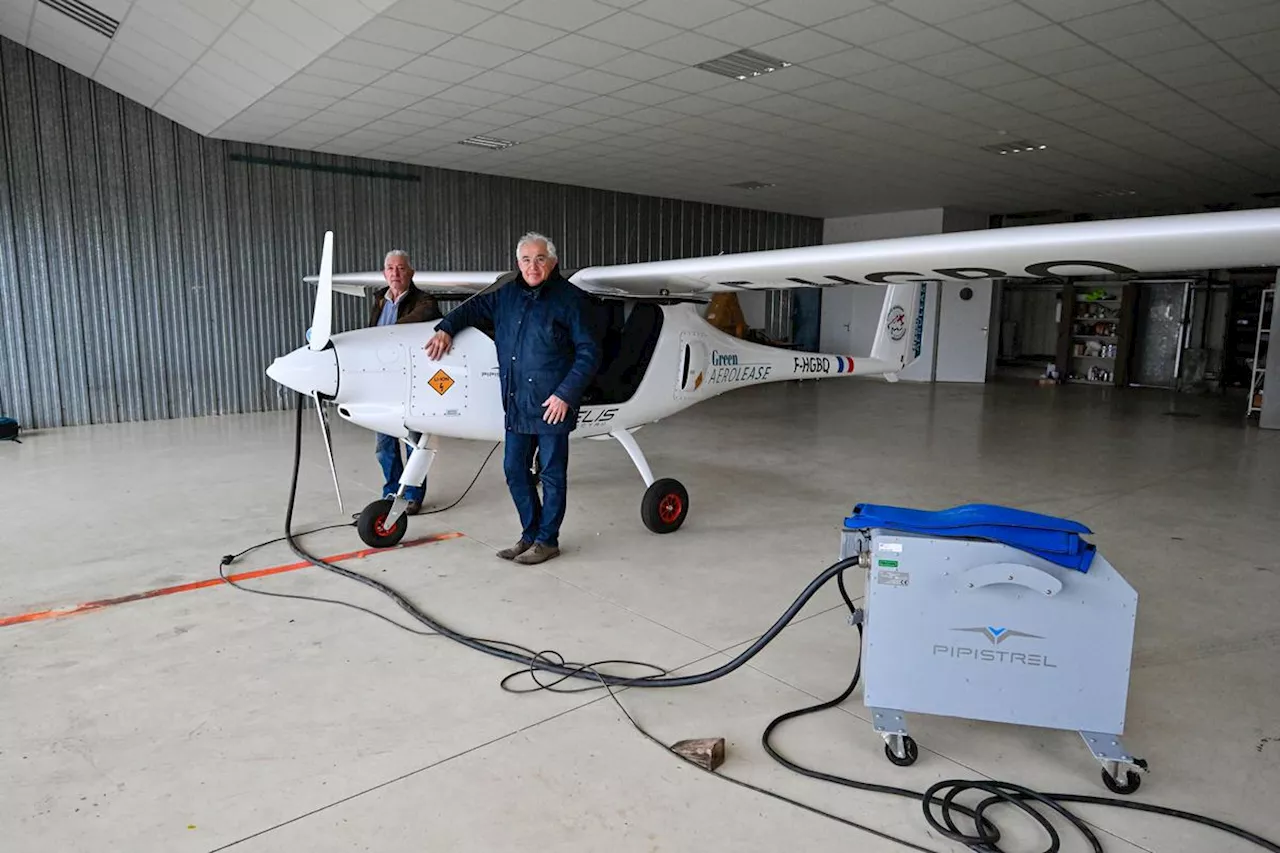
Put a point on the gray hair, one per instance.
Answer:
(535, 237)
(396, 253)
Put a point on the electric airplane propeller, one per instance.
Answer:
(660, 356)
(321, 330)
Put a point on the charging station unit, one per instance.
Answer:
(989, 613)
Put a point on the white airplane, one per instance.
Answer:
(661, 356)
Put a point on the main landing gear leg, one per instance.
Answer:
(383, 522)
(666, 502)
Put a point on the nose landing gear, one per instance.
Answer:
(383, 523)
(373, 528)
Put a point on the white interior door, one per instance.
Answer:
(835, 329)
(963, 331)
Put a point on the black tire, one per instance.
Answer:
(370, 526)
(665, 506)
(909, 747)
(1132, 781)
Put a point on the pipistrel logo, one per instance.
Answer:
(998, 635)
(995, 636)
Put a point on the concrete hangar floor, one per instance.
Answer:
(211, 719)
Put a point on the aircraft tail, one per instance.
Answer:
(900, 334)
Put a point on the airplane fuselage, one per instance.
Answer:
(386, 382)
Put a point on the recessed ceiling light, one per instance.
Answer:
(751, 185)
(84, 13)
(490, 142)
(1016, 146)
(743, 64)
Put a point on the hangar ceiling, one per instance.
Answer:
(1119, 105)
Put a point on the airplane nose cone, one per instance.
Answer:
(307, 371)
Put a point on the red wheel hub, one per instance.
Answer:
(669, 508)
(379, 529)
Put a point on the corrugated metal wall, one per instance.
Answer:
(145, 273)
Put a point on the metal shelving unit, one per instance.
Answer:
(1260, 343)
(1094, 333)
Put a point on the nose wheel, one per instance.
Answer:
(373, 528)
(665, 506)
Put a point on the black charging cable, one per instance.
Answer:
(986, 835)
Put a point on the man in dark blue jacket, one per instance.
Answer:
(547, 355)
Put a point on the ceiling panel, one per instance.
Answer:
(935, 12)
(630, 30)
(812, 13)
(1066, 10)
(452, 16)
(885, 103)
(1009, 19)
(562, 14)
(686, 14)
(871, 25)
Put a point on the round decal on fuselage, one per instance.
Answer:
(897, 324)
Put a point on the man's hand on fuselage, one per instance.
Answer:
(440, 343)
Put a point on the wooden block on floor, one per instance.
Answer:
(708, 752)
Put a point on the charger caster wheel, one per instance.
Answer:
(1132, 781)
(371, 529)
(665, 506)
(910, 752)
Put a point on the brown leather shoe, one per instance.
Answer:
(540, 553)
(515, 550)
(413, 508)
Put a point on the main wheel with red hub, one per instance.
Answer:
(372, 529)
(665, 506)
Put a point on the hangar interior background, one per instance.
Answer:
(167, 171)
(881, 120)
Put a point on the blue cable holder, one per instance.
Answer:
(1054, 539)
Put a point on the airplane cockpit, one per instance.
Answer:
(628, 332)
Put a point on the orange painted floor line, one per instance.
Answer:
(187, 587)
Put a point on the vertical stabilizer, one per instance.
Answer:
(900, 334)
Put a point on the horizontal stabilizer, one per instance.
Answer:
(436, 283)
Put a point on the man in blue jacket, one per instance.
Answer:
(547, 355)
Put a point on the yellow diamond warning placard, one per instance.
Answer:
(441, 382)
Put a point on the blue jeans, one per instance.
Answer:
(540, 520)
(388, 454)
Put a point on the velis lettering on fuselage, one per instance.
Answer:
(595, 416)
(1044, 269)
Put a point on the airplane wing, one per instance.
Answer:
(1156, 244)
(435, 283)
(1119, 246)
